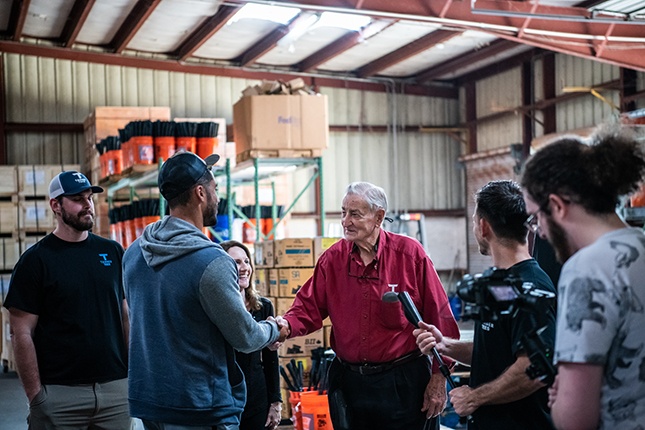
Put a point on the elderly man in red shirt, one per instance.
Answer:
(378, 372)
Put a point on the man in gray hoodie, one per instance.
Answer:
(186, 313)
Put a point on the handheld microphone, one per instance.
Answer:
(412, 314)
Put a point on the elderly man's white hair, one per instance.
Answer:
(373, 195)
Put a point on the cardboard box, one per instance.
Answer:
(273, 283)
(291, 280)
(261, 278)
(36, 215)
(8, 180)
(8, 217)
(264, 254)
(9, 252)
(302, 345)
(274, 122)
(33, 180)
(293, 253)
(321, 244)
(282, 305)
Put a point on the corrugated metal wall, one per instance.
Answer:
(497, 94)
(61, 91)
(586, 111)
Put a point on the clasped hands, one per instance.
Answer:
(285, 331)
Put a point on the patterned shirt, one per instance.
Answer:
(600, 321)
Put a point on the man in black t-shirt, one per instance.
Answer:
(500, 395)
(69, 318)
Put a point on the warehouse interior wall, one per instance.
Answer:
(413, 146)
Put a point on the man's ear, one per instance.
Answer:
(558, 206)
(380, 216)
(484, 227)
(54, 204)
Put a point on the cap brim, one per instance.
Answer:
(211, 160)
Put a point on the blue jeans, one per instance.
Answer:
(153, 425)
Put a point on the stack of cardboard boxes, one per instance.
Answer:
(281, 268)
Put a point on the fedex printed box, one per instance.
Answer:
(264, 254)
(321, 244)
(290, 280)
(302, 345)
(273, 122)
(293, 253)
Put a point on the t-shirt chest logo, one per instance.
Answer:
(104, 260)
(488, 326)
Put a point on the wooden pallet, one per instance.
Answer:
(277, 153)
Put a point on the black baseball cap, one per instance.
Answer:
(181, 172)
(70, 183)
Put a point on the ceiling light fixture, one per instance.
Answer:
(279, 14)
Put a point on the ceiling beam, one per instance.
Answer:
(212, 70)
(411, 49)
(568, 30)
(267, 43)
(474, 56)
(575, 20)
(337, 47)
(17, 18)
(77, 17)
(140, 12)
(200, 36)
(500, 67)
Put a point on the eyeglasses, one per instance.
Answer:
(532, 222)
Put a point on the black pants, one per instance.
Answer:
(389, 400)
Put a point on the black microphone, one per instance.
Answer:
(412, 314)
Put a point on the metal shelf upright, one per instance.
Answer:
(255, 170)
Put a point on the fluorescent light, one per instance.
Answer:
(278, 14)
(347, 21)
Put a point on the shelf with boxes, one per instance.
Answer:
(281, 268)
(255, 171)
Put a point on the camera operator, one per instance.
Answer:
(572, 187)
(500, 395)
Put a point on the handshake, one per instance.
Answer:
(285, 331)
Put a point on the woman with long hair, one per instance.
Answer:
(261, 369)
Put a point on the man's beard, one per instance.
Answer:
(76, 221)
(559, 240)
(210, 214)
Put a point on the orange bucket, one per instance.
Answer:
(315, 411)
(103, 164)
(114, 162)
(164, 147)
(206, 146)
(186, 143)
(142, 149)
(127, 154)
(296, 416)
(115, 232)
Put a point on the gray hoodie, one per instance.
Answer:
(186, 317)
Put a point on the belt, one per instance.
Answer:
(374, 368)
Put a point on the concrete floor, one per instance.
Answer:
(13, 403)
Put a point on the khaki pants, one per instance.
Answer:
(74, 407)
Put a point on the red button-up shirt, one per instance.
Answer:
(365, 329)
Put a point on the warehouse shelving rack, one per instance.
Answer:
(249, 172)
(255, 170)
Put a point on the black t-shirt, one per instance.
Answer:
(76, 290)
(496, 345)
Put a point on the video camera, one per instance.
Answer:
(498, 293)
